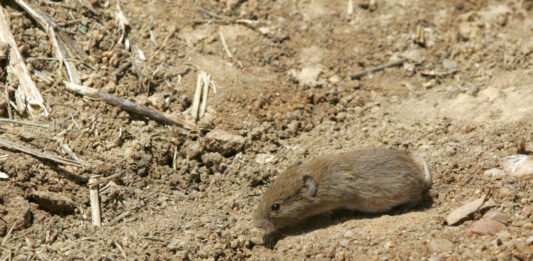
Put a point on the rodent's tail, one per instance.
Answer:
(429, 177)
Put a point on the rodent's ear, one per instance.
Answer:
(310, 184)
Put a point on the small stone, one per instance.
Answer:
(522, 246)
(440, 246)
(334, 79)
(465, 210)
(53, 202)
(527, 210)
(181, 255)
(308, 75)
(224, 142)
(344, 242)
(414, 56)
(486, 227)
(497, 215)
(348, 234)
(264, 158)
(449, 65)
(293, 127)
(529, 240)
(389, 244)
(520, 166)
(257, 132)
(494, 172)
(175, 244)
(507, 192)
(213, 236)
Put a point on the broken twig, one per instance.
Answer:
(64, 46)
(38, 154)
(27, 88)
(25, 123)
(130, 106)
(437, 74)
(95, 201)
(362, 73)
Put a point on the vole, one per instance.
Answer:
(370, 180)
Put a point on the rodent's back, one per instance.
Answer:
(372, 180)
(369, 180)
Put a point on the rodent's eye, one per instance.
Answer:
(274, 207)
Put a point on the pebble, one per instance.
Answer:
(308, 75)
(293, 127)
(507, 192)
(344, 242)
(449, 65)
(348, 234)
(440, 246)
(334, 79)
(465, 210)
(414, 55)
(486, 227)
(224, 142)
(494, 172)
(497, 215)
(264, 158)
(522, 246)
(527, 210)
(389, 244)
(520, 166)
(529, 240)
(175, 244)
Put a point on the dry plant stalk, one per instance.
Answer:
(362, 73)
(197, 93)
(203, 106)
(226, 48)
(25, 123)
(29, 94)
(95, 201)
(63, 44)
(38, 154)
(200, 95)
(350, 7)
(130, 106)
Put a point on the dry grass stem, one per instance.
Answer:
(95, 201)
(64, 46)
(38, 154)
(31, 97)
(197, 93)
(362, 73)
(25, 123)
(6, 238)
(67, 149)
(203, 106)
(130, 106)
(350, 7)
(226, 48)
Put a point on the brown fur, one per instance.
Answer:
(373, 180)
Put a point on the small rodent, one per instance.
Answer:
(372, 180)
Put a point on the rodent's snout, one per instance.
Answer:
(260, 221)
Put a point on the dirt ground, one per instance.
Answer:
(462, 100)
